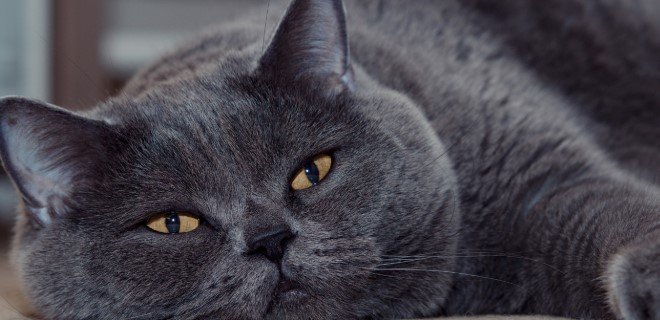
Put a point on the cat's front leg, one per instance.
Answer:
(603, 237)
(627, 217)
(634, 280)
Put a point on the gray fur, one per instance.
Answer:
(490, 157)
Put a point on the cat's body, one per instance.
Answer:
(537, 180)
(530, 132)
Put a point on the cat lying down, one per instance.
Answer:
(458, 158)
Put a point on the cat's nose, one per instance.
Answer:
(271, 243)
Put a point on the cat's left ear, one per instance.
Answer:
(49, 153)
(310, 48)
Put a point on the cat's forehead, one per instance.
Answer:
(245, 126)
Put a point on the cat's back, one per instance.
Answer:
(592, 61)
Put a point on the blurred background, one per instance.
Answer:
(75, 53)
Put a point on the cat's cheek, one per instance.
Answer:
(339, 260)
(149, 269)
(633, 281)
(65, 273)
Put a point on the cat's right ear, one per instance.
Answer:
(48, 152)
(310, 48)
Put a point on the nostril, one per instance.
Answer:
(260, 250)
(271, 243)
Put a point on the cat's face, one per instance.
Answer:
(230, 159)
(224, 147)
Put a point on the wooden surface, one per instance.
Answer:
(12, 302)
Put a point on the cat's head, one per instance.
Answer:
(291, 178)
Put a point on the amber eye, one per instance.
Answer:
(173, 222)
(312, 173)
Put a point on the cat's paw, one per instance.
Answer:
(634, 281)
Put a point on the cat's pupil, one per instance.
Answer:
(173, 223)
(312, 172)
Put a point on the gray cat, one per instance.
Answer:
(466, 157)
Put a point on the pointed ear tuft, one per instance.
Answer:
(48, 153)
(311, 47)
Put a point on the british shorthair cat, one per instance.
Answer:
(408, 159)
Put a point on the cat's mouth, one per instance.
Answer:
(289, 291)
(288, 294)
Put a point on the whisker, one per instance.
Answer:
(263, 42)
(403, 259)
(447, 271)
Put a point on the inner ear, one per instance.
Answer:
(310, 47)
(49, 153)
